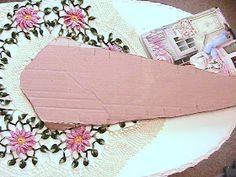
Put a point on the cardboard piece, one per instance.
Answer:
(70, 85)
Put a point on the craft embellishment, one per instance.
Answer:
(27, 18)
(74, 18)
(78, 139)
(210, 48)
(22, 136)
(184, 29)
(158, 47)
(21, 141)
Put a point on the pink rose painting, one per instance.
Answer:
(74, 18)
(78, 139)
(27, 18)
(21, 141)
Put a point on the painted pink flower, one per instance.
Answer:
(113, 47)
(74, 18)
(27, 18)
(21, 141)
(78, 139)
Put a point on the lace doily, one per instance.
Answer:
(124, 141)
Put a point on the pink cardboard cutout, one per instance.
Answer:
(67, 85)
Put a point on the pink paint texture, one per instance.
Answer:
(69, 84)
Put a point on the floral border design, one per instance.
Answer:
(22, 136)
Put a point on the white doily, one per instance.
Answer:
(140, 149)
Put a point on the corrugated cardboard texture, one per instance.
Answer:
(97, 86)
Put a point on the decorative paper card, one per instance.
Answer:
(187, 42)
